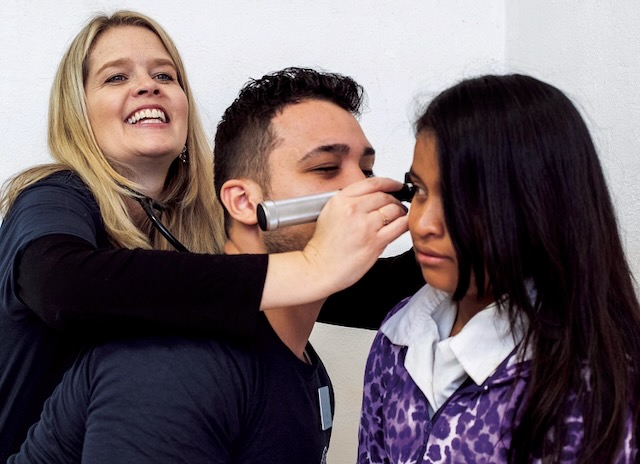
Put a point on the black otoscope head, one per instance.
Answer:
(407, 191)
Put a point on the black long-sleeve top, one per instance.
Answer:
(62, 285)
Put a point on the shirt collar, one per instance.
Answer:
(427, 318)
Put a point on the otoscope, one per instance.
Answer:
(273, 214)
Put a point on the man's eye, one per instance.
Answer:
(116, 78)
(325, 168)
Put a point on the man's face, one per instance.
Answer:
(319, 148)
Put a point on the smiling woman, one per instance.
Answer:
(80, 258)
(136, 107)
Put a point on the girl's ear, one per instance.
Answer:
(241, 198)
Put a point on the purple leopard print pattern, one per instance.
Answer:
(473, 426)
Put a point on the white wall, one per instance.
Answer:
(400, 51)
(591, 50)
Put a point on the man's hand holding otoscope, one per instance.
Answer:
(274, 214)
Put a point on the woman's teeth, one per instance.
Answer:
(153, 114)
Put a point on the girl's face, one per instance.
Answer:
(431, 241)
(137, 109)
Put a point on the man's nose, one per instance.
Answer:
(354, 174)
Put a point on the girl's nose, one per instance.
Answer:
(427, 218)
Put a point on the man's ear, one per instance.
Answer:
(241, 198)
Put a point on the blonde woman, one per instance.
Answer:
(87, 243)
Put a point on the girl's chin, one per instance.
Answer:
(438, 283)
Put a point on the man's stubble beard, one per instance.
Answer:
(286, 239)
(293, 238)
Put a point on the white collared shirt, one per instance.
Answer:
(438, 363)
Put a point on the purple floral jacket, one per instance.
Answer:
(472, 426)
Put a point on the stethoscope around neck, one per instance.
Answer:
(149, 205)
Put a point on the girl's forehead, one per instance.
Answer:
(425, 157)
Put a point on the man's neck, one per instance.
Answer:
(292, 324)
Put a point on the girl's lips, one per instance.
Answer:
(430, 258)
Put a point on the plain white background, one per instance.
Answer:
(402, 52)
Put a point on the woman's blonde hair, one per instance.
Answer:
(193, 214)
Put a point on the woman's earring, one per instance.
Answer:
(183, 155)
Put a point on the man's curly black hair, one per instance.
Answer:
(244, 136)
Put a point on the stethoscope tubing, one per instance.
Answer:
(147, 205)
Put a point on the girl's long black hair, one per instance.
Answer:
(525, 200)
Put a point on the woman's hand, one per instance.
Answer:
(353, 229)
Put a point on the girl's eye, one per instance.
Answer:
(116, 78)
(419, 191)
(368, 173)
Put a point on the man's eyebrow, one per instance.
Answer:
(336, 148)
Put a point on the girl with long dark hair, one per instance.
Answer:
(524, 345)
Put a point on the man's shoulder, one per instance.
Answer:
(199, 381)
(185, 398)
(144, 354)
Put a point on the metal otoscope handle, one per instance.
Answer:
(273, 214)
